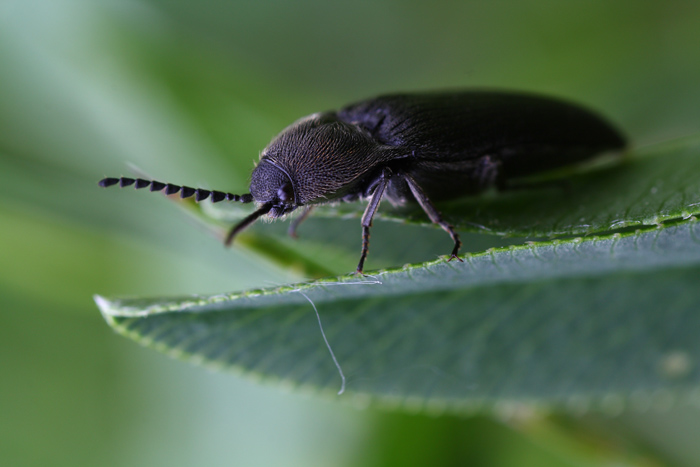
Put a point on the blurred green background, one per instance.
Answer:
(190, 92)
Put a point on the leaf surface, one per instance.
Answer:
(578, 321)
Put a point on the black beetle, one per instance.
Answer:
(411, 148)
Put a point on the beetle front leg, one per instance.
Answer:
(433, 213)
(369, 214)
(294, 225)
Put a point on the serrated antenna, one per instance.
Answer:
(200, 194)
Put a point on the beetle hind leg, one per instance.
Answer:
(434, 214)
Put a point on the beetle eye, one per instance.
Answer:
(285, 193)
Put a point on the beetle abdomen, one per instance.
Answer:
(526, 133)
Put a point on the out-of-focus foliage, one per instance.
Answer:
(190, 92)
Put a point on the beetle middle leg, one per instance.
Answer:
(433, 213)
(382, 183)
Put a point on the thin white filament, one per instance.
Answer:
(337, 365)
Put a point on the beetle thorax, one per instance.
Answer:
(315, 160)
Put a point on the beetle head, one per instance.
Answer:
(271, 185)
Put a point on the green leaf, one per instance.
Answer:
(605, 320)
(577, 321)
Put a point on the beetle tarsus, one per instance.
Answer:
(454, 255)
(365, 250)
(455, 237)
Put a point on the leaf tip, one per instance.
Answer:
(103, 304)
